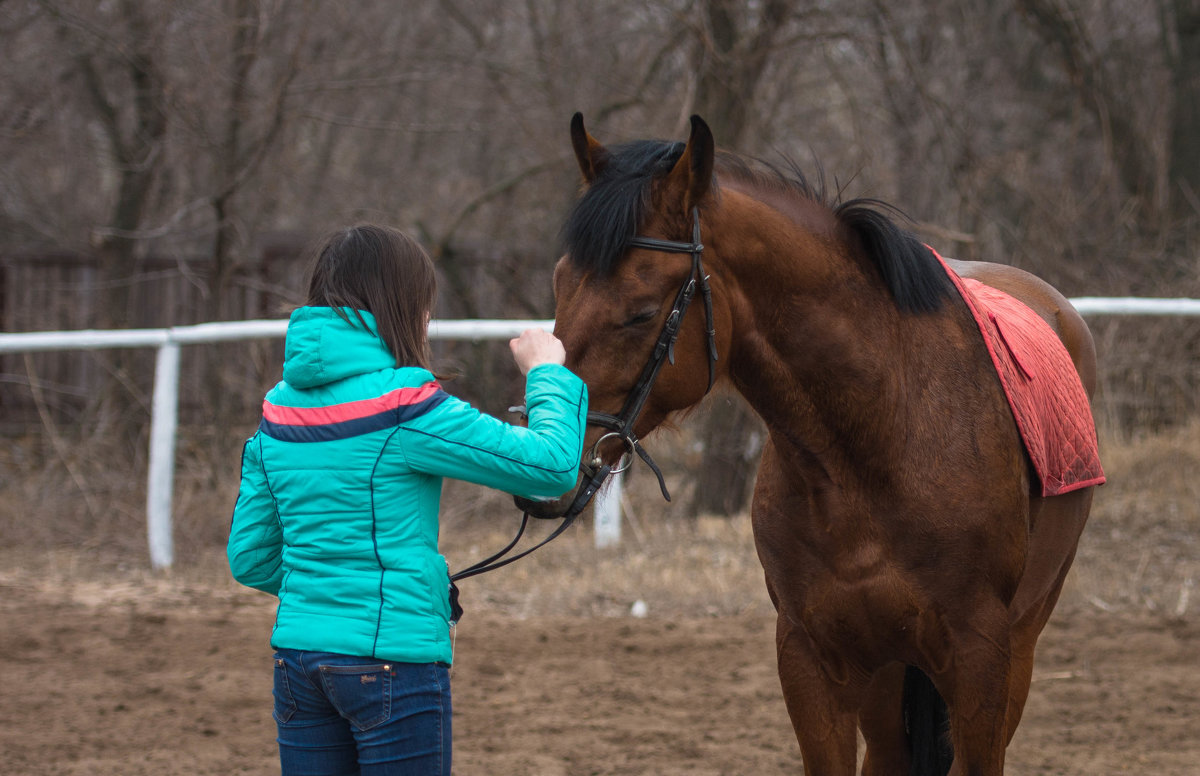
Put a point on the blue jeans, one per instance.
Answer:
(340, 715)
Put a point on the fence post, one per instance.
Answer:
(161, 477)
(607, 513)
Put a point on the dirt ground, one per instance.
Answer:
(110, 669)
(125, 673)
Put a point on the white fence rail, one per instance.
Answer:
(164, 411)
(1132, 305)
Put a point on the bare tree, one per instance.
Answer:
(115, 63)
(1182, 46)
(251, 120)
(1052, 134)
(732, 49)
(1138, 74)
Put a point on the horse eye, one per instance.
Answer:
(645, 316)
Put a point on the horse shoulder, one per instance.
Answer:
(1045, 300)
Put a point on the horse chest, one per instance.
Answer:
(852, 600)
(861, 623)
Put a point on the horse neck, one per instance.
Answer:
(819, 348)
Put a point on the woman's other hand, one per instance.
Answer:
(535, 347)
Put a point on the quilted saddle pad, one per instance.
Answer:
(1043, 389)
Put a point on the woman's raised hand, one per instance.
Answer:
(534, 347)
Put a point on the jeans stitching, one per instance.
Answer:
(442, 753)
(285, 690)
(370, 668)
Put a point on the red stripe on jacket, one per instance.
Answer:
(340, 413)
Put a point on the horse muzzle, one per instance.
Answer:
(547, 509)
(570, 505)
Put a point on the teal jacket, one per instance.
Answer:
(337, 513)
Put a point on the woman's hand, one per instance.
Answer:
(534, 347)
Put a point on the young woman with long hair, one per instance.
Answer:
(337, 512)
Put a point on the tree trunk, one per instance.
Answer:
(730, 63)
(136, 154)
(733, 440)
(1184, 160)
(1062, 31)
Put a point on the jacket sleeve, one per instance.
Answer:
(540, 460)
(255, 548)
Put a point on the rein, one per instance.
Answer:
(621, 425)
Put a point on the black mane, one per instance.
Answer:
(599, 227)
(913, 275)
(610, 212)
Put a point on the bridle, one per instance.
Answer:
(620, 426)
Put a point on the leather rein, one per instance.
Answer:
(620, 426)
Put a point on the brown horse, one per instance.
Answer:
(910, 556)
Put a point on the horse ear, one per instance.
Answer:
(588, 152)
(693, 172)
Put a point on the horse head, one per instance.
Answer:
(632, 266)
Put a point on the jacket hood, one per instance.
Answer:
(322, 347)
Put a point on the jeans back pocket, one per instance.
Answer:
(361, 693)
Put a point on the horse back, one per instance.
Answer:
(1045, 300)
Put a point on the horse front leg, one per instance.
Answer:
(881, 720)
(822, 700)
(822, 706)
(976, 689)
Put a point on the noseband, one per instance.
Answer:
(620, 426)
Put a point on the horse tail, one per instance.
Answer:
(928, 724)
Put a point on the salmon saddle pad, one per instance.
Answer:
(1043, 389)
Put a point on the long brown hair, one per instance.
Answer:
(385, 272)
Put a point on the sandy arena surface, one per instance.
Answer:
(110, 669)
(134, 673)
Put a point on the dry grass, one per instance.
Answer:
(1141, 548)
(1140, 551)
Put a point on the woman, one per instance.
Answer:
(337, 514)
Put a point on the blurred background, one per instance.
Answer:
(166, 163)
